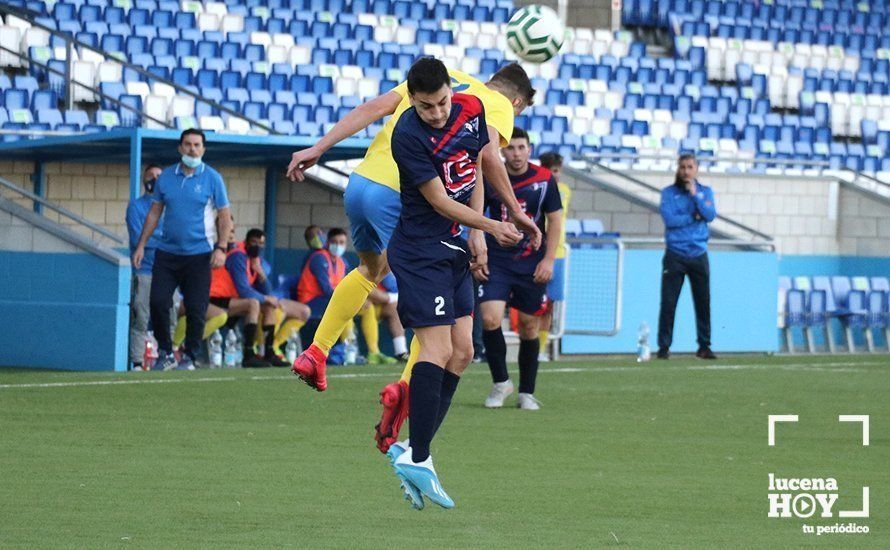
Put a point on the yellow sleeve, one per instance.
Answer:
(499, 115)
(401, 89)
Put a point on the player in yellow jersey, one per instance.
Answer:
(556, 287)
(372, 196)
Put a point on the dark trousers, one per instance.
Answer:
(675, 268)
(192, 275)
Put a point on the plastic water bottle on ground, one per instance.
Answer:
(216, 351)
(239, 348)
(351, 350)
(230, 350)
(150, 353)
(643, 351)
(293, 347)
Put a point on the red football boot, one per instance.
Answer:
(310, 367)
(394, 399)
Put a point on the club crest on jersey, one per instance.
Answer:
(460, 173)
(472, 126)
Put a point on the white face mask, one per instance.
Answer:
(337, 249)
(191, 162)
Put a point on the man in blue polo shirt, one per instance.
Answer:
(137, 210)
(687, 207)
(191, 195)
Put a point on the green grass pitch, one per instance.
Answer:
(664, 454)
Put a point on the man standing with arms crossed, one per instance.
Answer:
(687, 207)
(192, 194)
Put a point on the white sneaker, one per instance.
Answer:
(499, 392)
(543, 358)
(528, 402)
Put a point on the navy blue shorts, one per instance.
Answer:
(520, 291)
(435, 286)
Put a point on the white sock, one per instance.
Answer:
(399, 344)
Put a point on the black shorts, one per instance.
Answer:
(520, 291)
(221, 302)
(435, 286)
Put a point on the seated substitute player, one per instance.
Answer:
(436, 145)
(552, 161)
(372, 196)
(518, 275)
(277, 323)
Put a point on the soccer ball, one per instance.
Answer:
(535, 33)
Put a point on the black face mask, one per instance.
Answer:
(150, 185)
(254, 251)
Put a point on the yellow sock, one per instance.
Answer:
(348, 298)
(214, 323)
(285, 330)
(412, 358)
(179, 332)
(347, 330)
(544, 337)
(210, 326)
(371, 329)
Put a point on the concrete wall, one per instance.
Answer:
(45, 280)
(801, 213)
(100, 192)
(805, 215)
(302, 204)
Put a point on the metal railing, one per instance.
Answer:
(70, 42)
(64, 212)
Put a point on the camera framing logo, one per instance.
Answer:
(815, 498)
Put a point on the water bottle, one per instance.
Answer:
(351, 351)
(230, 351)
(643, 352)
(293, 347)
(239, 348)
(150, 353)
(216, 352)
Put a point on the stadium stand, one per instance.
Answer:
(773, 84)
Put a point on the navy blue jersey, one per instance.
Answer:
(538, 195)
(423, 153)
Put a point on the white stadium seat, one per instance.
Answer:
(208, 22)
(180, 105)
(211, 123)
(108, 71)
(155, 106)
(85, 73)
(138, 88)
(231, 23)
(237, 125)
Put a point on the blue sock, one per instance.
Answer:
(496, 354)
(449, 386)
(425, 390)
(528, 364)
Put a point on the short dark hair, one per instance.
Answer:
(519, 133)
(687, 156)
(336, 232)
(194, 131)
(151, 165)
(550, 159)
(514, 78)
(309, 230)
(255, 233)
(427, 75)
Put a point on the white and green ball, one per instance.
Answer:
(535, 33)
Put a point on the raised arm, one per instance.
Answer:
(704, 204)
(476, 239)
(357, 119)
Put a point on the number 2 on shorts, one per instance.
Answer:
(440, 305)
